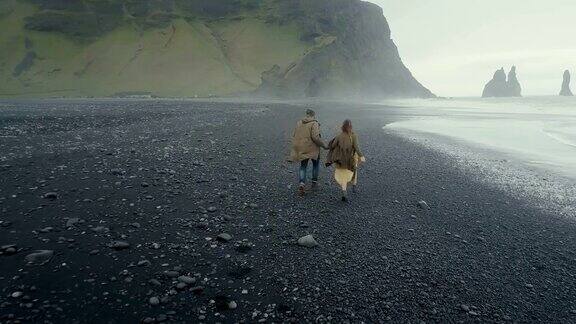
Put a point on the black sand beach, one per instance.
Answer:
(167, 177)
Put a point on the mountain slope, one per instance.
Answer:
(359, 60)
(187, 48)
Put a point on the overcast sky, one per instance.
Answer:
(454, 46)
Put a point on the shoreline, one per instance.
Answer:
(540, 186)
(178, 174)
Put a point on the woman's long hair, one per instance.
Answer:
(347, 126)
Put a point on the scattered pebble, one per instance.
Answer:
(307, 241)
(40, 257)
(51, 196)
(154, 301)
(224, 237)
(187, 279)
(423, 205)
(119, 245)
(72, 222)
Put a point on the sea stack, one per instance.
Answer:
(514, 88)
(500, 86)
(496, 87)
(566, 92)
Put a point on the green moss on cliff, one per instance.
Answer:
(179, 57)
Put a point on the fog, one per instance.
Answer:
(454, 46)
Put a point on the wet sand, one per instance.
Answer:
(168, 177)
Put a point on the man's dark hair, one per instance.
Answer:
(347, 126)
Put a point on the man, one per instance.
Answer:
(306, 144)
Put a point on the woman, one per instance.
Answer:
(345, 154)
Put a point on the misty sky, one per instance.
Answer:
(454, 46)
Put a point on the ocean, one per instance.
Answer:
(524, 145)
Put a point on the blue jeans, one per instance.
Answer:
(304, 170)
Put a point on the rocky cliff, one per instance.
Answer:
(500, 86)
(566, 91)
(285, 48)
(353, 55)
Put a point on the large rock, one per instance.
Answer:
(566, 92)
(307, 241)
(500, 86)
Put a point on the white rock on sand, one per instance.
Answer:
(307, 241)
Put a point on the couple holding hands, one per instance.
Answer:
(344, 153)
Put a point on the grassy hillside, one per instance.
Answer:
(180, 53)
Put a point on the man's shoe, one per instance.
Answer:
(314, 185)
(354, 190)
(301, 190)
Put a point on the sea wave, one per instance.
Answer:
(567, 138)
